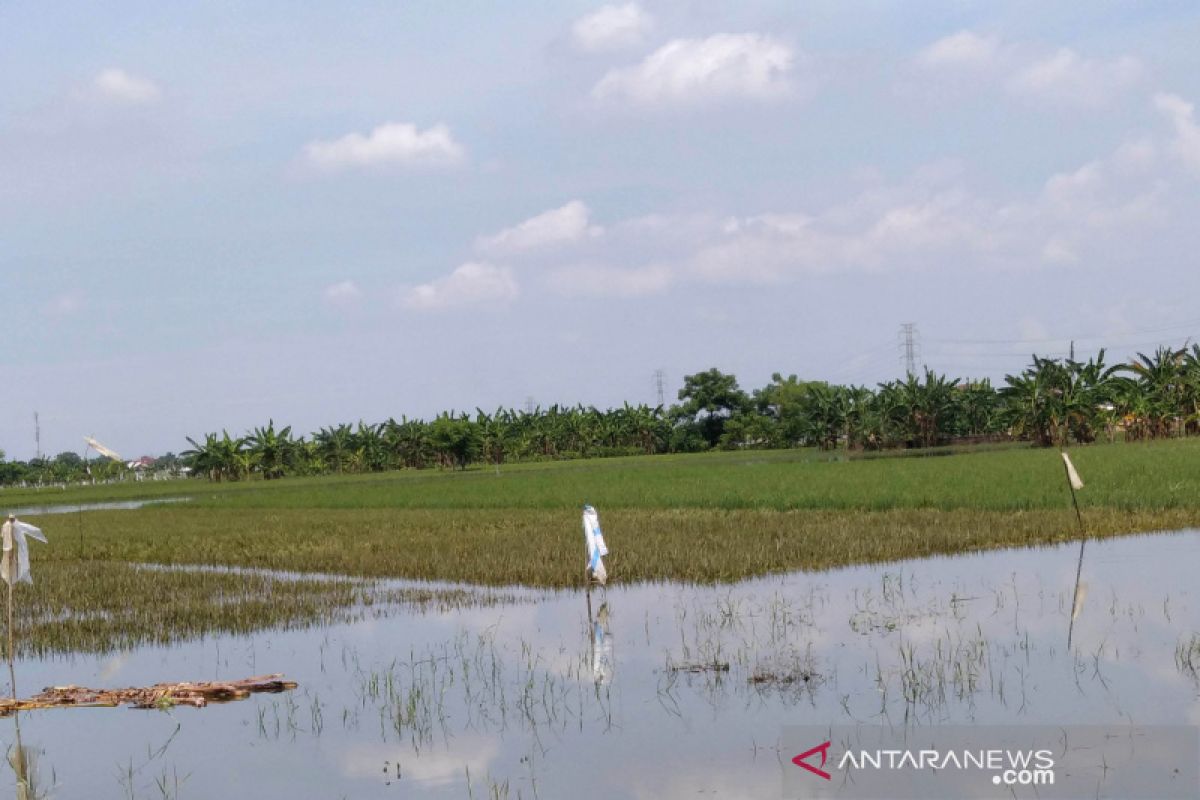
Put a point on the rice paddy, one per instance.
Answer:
(684, 687)
(1146, 476)
(99, 606)
(444, 647)
(714, 517)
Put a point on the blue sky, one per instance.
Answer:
(215, 215)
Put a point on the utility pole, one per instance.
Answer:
(37, 435)
(659, 376)
(1072, 350)
(909, 347)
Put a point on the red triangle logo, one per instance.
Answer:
(801, 760)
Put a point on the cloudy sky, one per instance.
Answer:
(213, 215)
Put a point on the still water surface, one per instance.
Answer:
(110, 505)
(647, 691)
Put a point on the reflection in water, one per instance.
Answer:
(602, 645)
(24, 763)
(113, 505)
(1080, 592)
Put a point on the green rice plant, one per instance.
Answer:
(715, 517)
(543, 548)
(1156, 475)
(1187, 656)
(103, 606)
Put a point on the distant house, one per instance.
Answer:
(143, 463)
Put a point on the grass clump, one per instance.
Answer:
(98, 606)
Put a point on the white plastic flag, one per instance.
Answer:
(102, 450)
(14, 532)
(594, 542)
(1072, 475)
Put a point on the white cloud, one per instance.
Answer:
(1080, 214)
(1101, 210)
(432, 769)
(1058, 78)
(695, 70)
(117, 84)
(584, 280)
(1066, 78)
(1096, 197)
(557, 226)
(612, 27)
(393, 143)
(878, 230)
(345, 293)
(962, 49)
(1187, 133)
(474, 284)
(65, 305)
(1058, 251)
(1135, 157)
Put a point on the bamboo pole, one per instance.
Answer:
(1082, 544)
(10, 564)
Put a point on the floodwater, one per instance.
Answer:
(646, 691)
(112, 505)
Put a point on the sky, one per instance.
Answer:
(213, 215)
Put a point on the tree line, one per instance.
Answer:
(1052, 402)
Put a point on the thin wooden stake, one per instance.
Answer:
(1082, 543)
(12, 674)
(11, 559)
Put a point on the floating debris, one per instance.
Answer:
(697, 667)
(159, 695)
(784, 678)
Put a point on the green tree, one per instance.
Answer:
(1161, 379)
(219, 458)
(272, 452)
(455, 439)
(708, 400)
(336, 445)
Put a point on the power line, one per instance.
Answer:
(1193, 324)
(941, 354)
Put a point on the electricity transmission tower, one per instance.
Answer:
(910, 347)
(37, 435)
(659, 377)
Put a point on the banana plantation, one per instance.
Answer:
(1052, 402)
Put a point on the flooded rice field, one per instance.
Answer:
(646, 691)
(109, 505)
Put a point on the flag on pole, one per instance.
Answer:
(102, 450)
(594, 543)
(14, 532)
(1072, 475)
